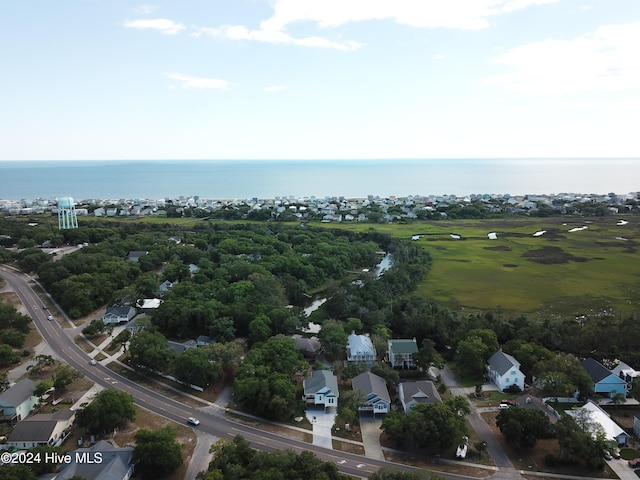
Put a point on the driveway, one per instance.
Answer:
(322, 423)
(370, 431)
(201, 457)
(506, 470)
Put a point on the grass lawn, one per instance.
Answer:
(557, 273)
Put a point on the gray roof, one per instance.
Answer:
(371, 383)
(178, 347)
(502, 362)
(115, 463)
(595, 369)
(204, 339)
(423, 391)
(308, 345)
(119, 311)
(40, 427)
(320, 379)
(17, 394)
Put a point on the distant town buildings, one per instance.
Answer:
(328, 209)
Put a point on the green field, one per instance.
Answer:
(567, 273)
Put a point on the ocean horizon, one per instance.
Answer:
(245, 179)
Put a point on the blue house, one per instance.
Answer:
(605, 382)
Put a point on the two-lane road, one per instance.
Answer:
(216, 425)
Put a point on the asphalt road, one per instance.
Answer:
(214, 425)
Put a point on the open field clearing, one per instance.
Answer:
(566, 270)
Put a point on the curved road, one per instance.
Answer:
(215, 425)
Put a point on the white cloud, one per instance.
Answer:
(199, 82)
(462, 14)
(163, 25)
(144, 9)
(607, 59)
(240, 32)
(274, 88)
(468, 14)
(438, 56)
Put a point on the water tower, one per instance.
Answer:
(67, 217)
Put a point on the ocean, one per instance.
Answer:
(244, 179)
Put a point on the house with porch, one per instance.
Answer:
(360, 349)
(321, 389)
(400, 352)
(605, 382)
(423, 392)
(42, 429)
(376, 394)
(18, 401)
(504, 371)
(115, 315)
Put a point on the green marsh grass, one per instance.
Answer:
(600, 270)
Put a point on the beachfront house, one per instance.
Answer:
(504, 371)
(605, 383)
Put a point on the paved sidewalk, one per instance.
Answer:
(105, 343)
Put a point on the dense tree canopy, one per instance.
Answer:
(194, 367)
(522, 427)
(108, 410)
(149, 349)
(236, 460)
(156, 453)
(264, 382)
(435, 426)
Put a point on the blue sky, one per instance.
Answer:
(296, 79)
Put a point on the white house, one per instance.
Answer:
(422, 392)
(321, 389)
(504, 371)
(401, 352)
(625, 372)
(376, 394)
(18, 401)
(49, 429)
(599, 421)
(360, 349)
(118, 315)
